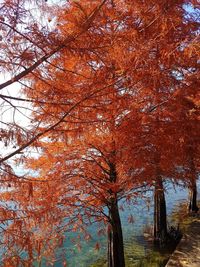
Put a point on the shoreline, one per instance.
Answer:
(187, 252)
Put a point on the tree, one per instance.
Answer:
(189, 144)
(152, 81)
(93, 169)
(115, 78)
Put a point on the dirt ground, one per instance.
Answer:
(187, 253)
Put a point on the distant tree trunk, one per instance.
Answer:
(193, 186)
(193, 197)
(115, 238)
(160, 215)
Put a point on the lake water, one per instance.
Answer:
(137, 248)
(139, 252)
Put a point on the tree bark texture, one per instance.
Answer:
(193, 197)
(193, 179)
(115, 238)
(160, 215)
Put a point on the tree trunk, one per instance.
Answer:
(115, 238)
(160, 216)
(193, 179)
(193, 197)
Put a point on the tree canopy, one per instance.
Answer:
(109, 106)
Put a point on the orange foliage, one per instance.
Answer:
(113, 88)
